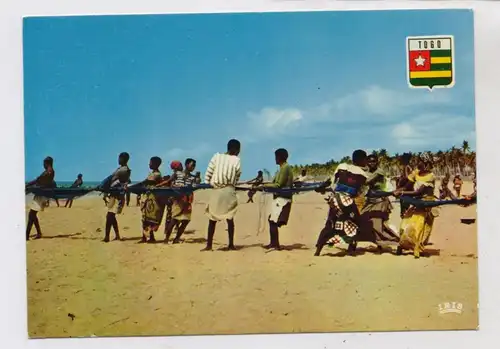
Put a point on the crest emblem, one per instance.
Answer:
(430, 61)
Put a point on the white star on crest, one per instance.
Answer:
(420, 60)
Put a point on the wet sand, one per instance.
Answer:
(126, 289)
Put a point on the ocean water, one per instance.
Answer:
(86, 184)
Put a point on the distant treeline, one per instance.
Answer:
(456, 160)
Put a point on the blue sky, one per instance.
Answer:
(320, 84)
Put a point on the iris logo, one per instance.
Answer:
(450, 307)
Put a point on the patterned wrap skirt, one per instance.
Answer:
(152, 209)
(343, 220)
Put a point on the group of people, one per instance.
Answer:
(358, 200)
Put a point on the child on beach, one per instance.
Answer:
(116, 201)
(45, 180)
(257, 181)
(223, 173)
(181, 206)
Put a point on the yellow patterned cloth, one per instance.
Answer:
(416, 226)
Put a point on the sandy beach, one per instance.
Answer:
(126, 289)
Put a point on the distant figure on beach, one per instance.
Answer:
(257, 181)
(45, 180)
(181, 206)
(223, 173)
(444, 190)
(281, 205)
(138, 200)
(472, 197)
(116, 202)
(297, 182)
(76, 184)
(153, 205)
(457, 184)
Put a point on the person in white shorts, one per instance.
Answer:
(39, 203)
(115, 202)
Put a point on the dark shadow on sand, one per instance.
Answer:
(344, 253)
(62, 236)
(294, 247)
(195, 241)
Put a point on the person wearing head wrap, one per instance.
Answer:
(39, 203)
(416, 225)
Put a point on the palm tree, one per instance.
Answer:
(461, 160)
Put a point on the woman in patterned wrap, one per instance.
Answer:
(153, 205)
(343, 219)
(416, 226)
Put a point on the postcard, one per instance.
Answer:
(250, 173)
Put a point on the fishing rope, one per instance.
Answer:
(73, 193)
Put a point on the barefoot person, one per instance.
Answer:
(182, 205)
(45, 180)
(257, 181)
(223, 172)
(282, 203)
(416, 226)
(76, 184)
(116, 201)
(152, 207)
(343, 221)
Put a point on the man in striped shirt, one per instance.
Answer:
(223, 173)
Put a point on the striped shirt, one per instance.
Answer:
(181, 179)
(223, 170)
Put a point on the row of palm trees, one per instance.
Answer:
(456, 160)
